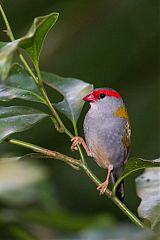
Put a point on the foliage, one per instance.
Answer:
(17, 119)
(148, 190)
(24, 83)
(32, 43)
(20, 85)
(136, 164)
(73, 90)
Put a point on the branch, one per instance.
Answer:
(46, 152)
(79, 164)
(109, 194)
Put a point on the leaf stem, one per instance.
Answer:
(76, 134)
(86, 169)
(38, 80)
(9, 31)
(127, 212)
(27, 67)
(44, 94)
(118, 203)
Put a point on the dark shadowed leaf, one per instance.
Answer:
(135, 164)
(19, 85)
(32, 42)
(17, 119)
(73, 90)
(148, 189)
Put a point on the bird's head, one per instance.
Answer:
(104, 100)
(101, 94)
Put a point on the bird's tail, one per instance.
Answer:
(115, 174)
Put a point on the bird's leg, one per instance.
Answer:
(102, 187)
(79, 140)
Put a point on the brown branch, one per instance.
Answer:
(46, 152)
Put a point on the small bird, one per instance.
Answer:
(107, 134)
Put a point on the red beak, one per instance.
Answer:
(89, 98)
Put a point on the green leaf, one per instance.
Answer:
(135, 164)
(63, 220)
(17, 119)
(19, 85)
(6, 56)
(32, 42)
(2, 44)
(73, 90)
(19, 177)
(148, 189)
(21, 233)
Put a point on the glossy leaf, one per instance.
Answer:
(19, 85)
(6, 56)
(73, 90)
(17, 119)
(148, 189)
(135, 164)
(12, 169)
(32, 42)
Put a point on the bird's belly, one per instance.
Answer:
(99, 154)
(106, 144)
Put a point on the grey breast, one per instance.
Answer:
(103, 136)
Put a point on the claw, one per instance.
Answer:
(75, 141)
(79, 140)
(102, 187)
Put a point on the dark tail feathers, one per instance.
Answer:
(120, 187)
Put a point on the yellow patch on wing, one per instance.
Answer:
(121, 112)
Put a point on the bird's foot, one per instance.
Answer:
(79, 140)
(102, 187)
(75, 141)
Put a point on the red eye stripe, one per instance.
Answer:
(107, 92)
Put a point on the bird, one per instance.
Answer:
(107, 135)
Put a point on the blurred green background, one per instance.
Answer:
(109, 44)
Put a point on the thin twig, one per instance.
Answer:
(9, 31)
(46, 152)
(86, 169)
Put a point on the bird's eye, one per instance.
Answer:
(102, 95)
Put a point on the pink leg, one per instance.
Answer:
(102, 187)
(79, 140)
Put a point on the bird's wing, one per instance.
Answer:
(127, 138)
